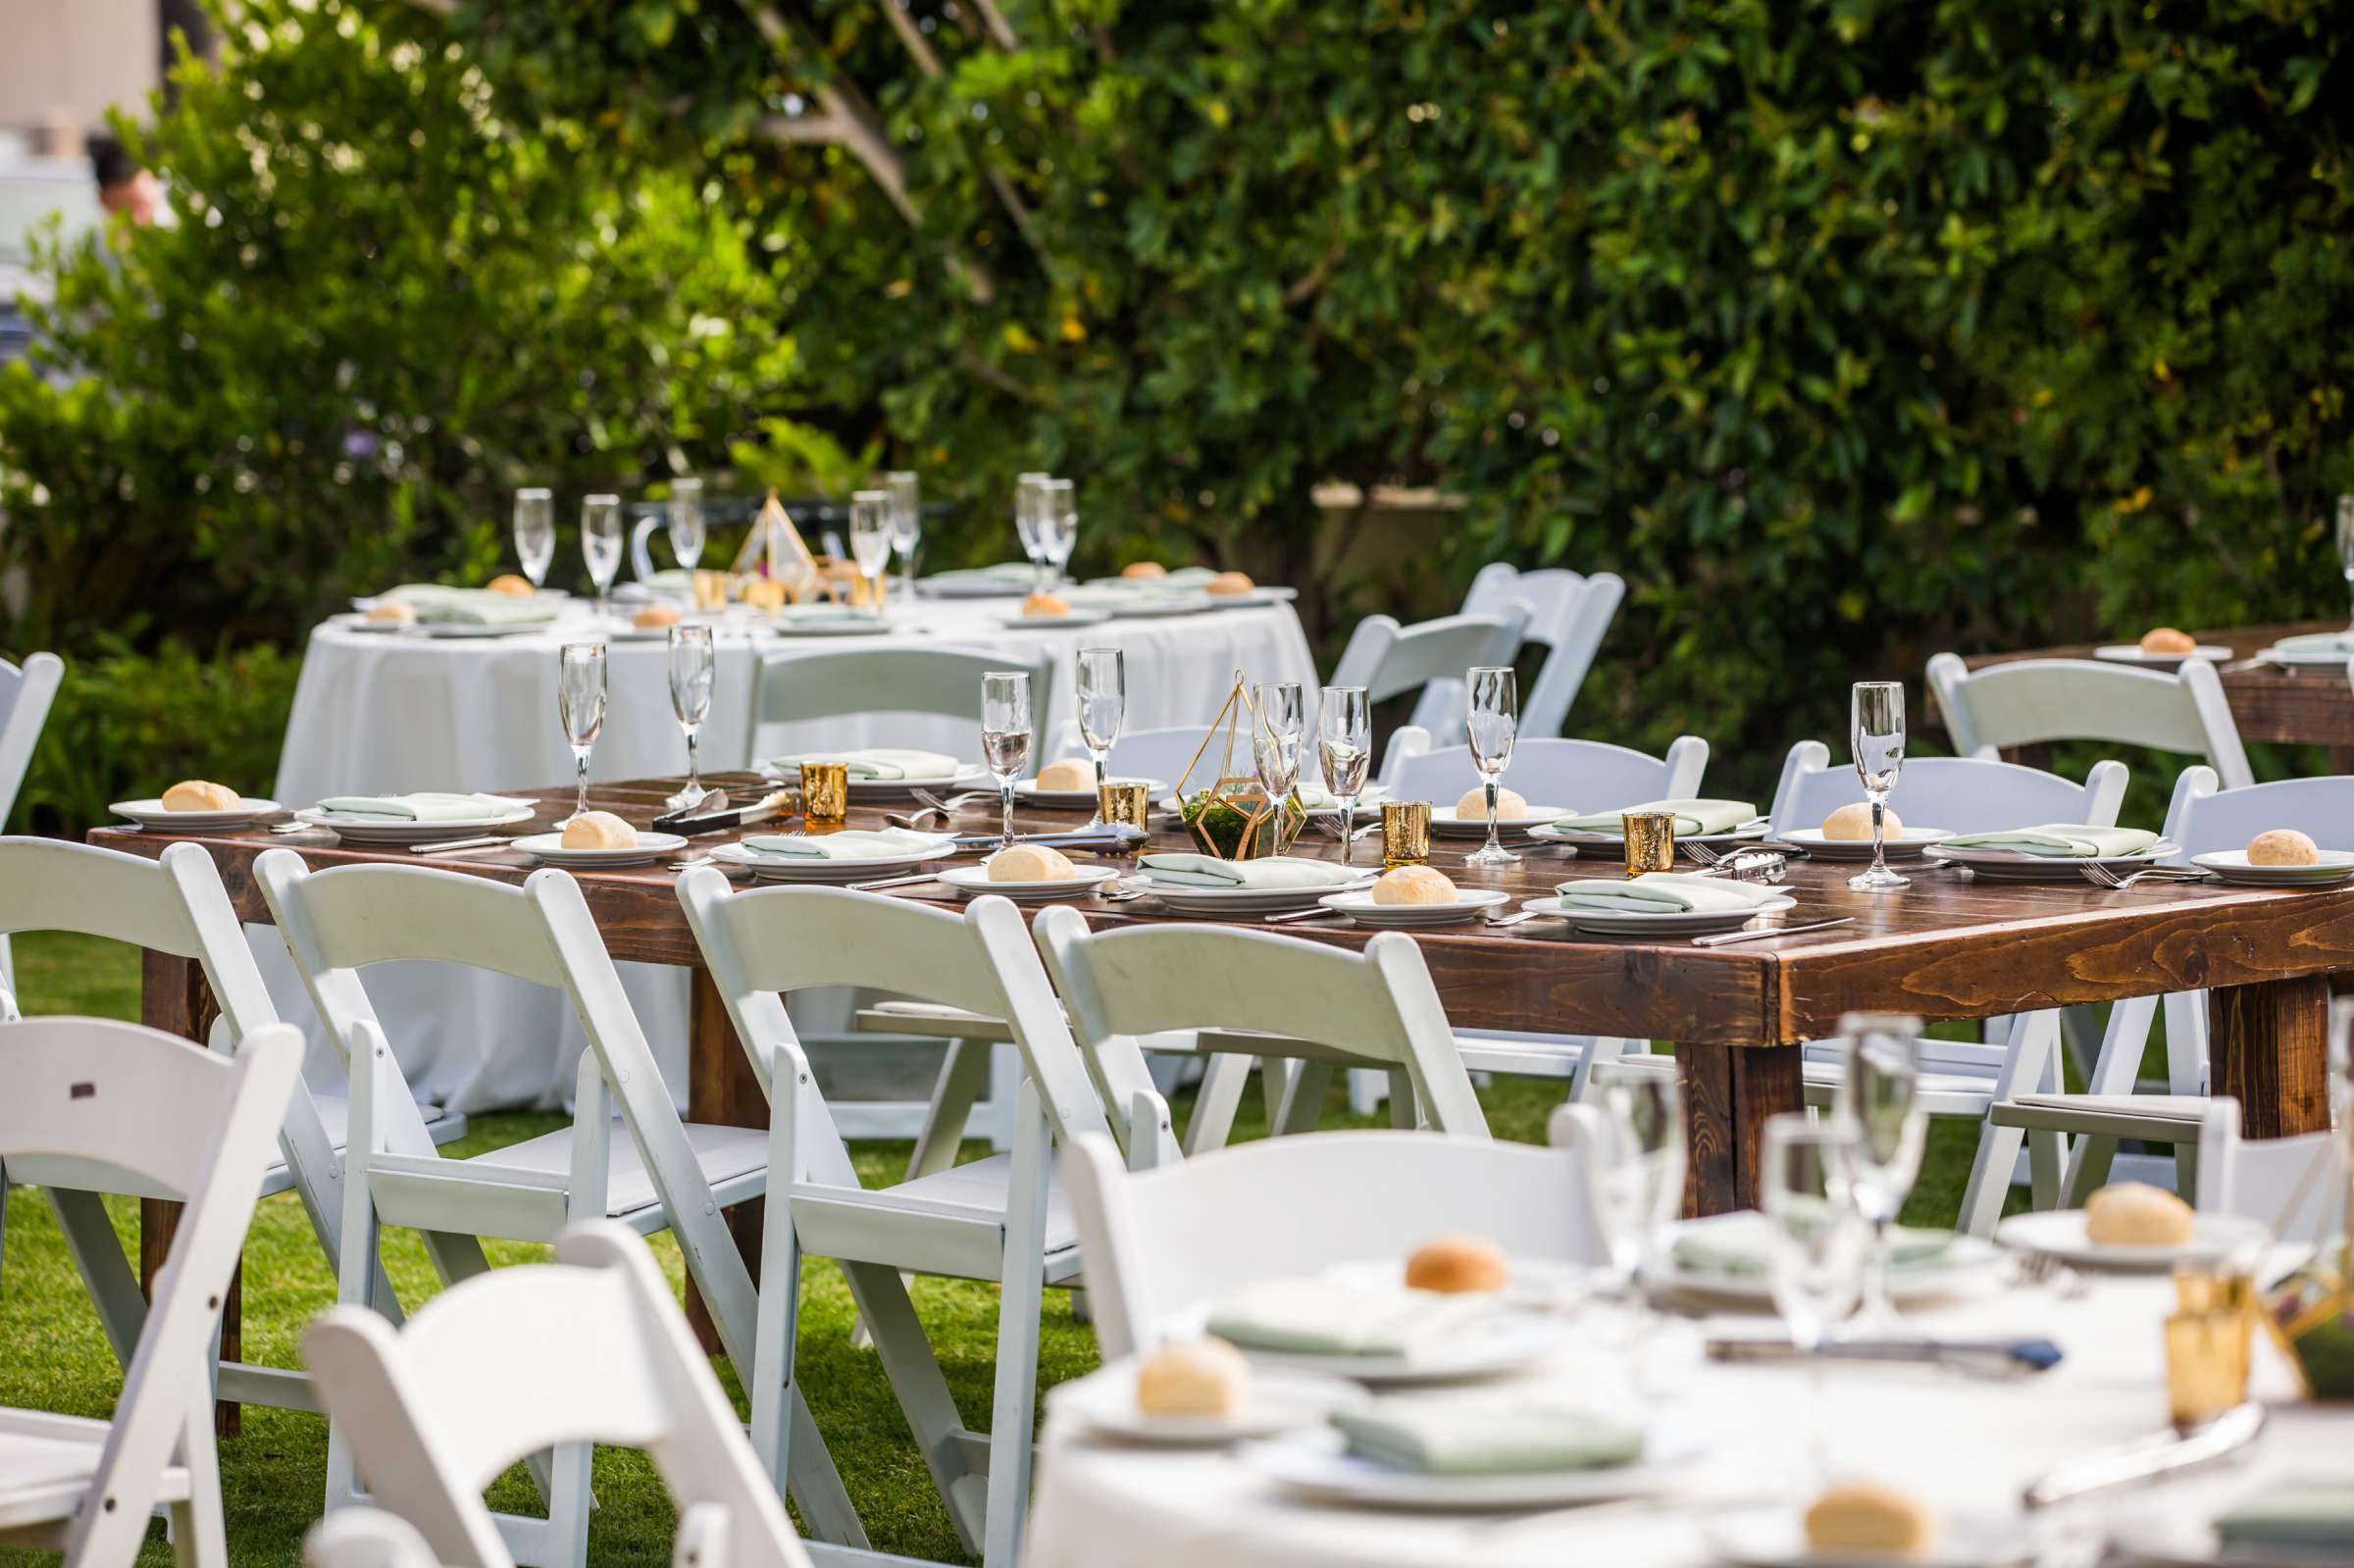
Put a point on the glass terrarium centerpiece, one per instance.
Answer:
(1227, 813)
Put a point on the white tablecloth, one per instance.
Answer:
(379, 713)
(1967, 1447)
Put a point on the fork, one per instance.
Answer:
(2100, 876)
(2041, 1268)
(1702, 853)
(955, 803)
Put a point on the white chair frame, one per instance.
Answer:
(2295, 1185)
(1581, 775)
(1387, 658)
(1568, 614)
(25, 693)
(365, 1538)
(2033, 701)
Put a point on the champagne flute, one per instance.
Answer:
(581, 707)
(692, 670)
(534, 533)
(1278, 721)
(1029, 503)
(687, 524)
(2346, 539)
(1005, 734)
(1877, 734)
(1492, 724)
(871, 533)
(600, 546)
(1815, 1243)
(1345, 748)
(1879, 1102)
(907, 521)
(1102, 709)
(1639, 1180)
(1058, 525)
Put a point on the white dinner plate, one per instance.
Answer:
(970, 589)
(2231, 865)
(1156, 606)
(1508, 1342)
(1052, 622)
(2174, 1540)
(966, 778)
(151, 815)
(1030, 795)
(1317, 1465)
(1906, 845)
(973, 881)
(1445, 822)
(871, 628)
(2017, 865)
(1253, 596)
(817, 869)
(1666, 923)
(1273, 1402)
(1777, 1537)
(2306, 656)
(2131, 654)
(1243, 901)
(1970, 1263)
(356, 622)
(2059, 1233)
(393, 833)
(548, 849)
(1748, 832)
(1470, 903)
(458, 632)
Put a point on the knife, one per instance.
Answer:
(2163, 1453)
(691, 823)
(1116, 839)
(2001, 1357)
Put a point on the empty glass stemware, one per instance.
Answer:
(1058, 525)
(1879, 1100)
(1492, 722)
(1877, 735)
(1639, 1182)
(2346, 538)
(871, 534)
(581, 707)
(600, 546)
(1028, 504)
(692, 670)
(1277, 722)
(907, 521)
(1344, 749)
(1103, 710)
(1814, 1241)
(1005, 734)
(534, 533)
(686, 525)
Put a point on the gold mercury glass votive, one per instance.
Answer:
(2205, 1364)
(710, 591)
(1650, 841)
(1405, 834)
(1125, 806)
(825, 793)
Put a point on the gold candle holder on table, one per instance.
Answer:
(710, 591)
(1405, 834)
(2205, 1364)
(1126, 806)
(825, 793)
(1650, 841)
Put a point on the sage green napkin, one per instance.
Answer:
(827, 613)
(1016, 575)
(889, 764)
(2061, 841)
(849, 845)
(440, 605)
(2316, 643)
(424, 806)
(2317, 1514)
(1476, 1436)
(1692, 817)
(1742, 1244)
(1333, 1317)
(1266, 873)
(1665, 893)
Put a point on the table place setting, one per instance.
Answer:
(404, 821)
(846, 855)
(1659, 904)
(1415, 898)
(1190, 884)
(2331, 648)
(1705, 822)
(196, 805)
(1727, 1259)
(2163, 648)
(2131, 1227)
(885, 773)
(2052, 852)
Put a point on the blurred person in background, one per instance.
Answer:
(125, 188)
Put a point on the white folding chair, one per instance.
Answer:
(590, 1348)
(999, 1218)
(1388, 659)
(1164, 1244)
(1568, 614)
(176, 905)
(98, 1106)
(660, 1174)
(25, 693)
(1162, 754)
(2295, 1185)
(1961, 795)
(2033, 702)
(365, 1538)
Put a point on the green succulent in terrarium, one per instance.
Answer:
(1235, 821)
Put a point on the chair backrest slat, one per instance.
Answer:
(2204, 818)
(1386, 658)
(1568, 614)
(25, 693)
(1576, 775)
(2033, 701)
(358, 916)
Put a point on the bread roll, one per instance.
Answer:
(2282, 846)
(1039, 604)
(1144, 569)
(1473, 807)
(1030, 863)
(196, 794)
(1860, 1516)
(1456, 1264)
(1854, 821)
(1414, 884)
(1070, 773)
(2166, 640)
(509, 583)
(654, 616)
(1195, 1378)
(762, 594)
(599, 829)
(391, 612)
(2136, 1214)
(1228, 583)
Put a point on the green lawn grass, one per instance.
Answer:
(53, 1356)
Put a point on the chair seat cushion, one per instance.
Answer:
(46, 1463)
(724, 1153)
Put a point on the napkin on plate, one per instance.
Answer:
(424, 806)
(437, 605)
(826, 612)
(1486, 1436)
(1664, 893)
(2060, 840)
(2313, 1515)
(2315, 643)
(1691, 817)
(1266, 873)
(877, 844)
(1017, 576)
(1334, 1317)
(890, 764)
(1742, 1244)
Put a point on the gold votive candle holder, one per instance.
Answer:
(2205, 1364)
(710, 591)
(1405, 834)
(1650, 841)
(825, 793)
(1125, 806)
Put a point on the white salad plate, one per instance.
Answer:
(1447, 824)
(1748, 832)
(1030, 795)
(2131, 654)
(820, 869)
(1317, 1465)
(1644, 923)
(2059, 1234)
(151, 815)
(548, 849)
(2017, 865)
(2315, 656)
(1777, 1537)
(879, 789)
(973, 881)
(1054, 623)
(2232, 866)
(1969, 1263)
(398, 833)
(1243, 901)
(1906, 845)
(1274, 1402)
(1470, 903)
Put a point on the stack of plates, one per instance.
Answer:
(1470, 903)
(1906, 845)
(1246, 901)
(1658, 925)
(2232, 866)
(394, 833)
(151, 815)
(2017, 865)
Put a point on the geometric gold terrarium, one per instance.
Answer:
(1230, 815)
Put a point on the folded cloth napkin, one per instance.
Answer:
(860, 845)
(421, 807)
(826, 612)
(440, 605)
(1486, 1436)
(1743, 1244)
(2316, 643)
(2318, 1514)
(890, 764)
(1691, 817)
(2060, 840)
(1665, 893)
(1334, 1317)
(1266, 873)
(1016, 575)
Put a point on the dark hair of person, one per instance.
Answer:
(111, 162)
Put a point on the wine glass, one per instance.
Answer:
(600, 546)
(1641, 1184)
(871, 533)
(1029, 503)
(1815, 1241)
(534, 533)
(2346, 538)
(581, 707)
(686, 526)
(1278, 720)
(1102, 709)
(1879, 1100)
(1058, 525)
(1345, 748)
(1005, 734)
(1877, 735)
(907, 521)
(1494, 719)
(692, 669)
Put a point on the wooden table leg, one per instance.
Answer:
(1729, 1092)
(721, 1092)
(175, 999)
(2267, 1047)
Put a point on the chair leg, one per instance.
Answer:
(1304, 1099)
(1215, 1103)
(1366, 1088)
(568, 1503)
(1989, 1178)
(962, 1071)
(105, 1271)
(1405, 1113)
(2044, 1172)
(199, 1532)
(2088, 1171)
(777, 1339)
(1021, 1281)
(355, 1281)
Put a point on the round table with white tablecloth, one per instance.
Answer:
(380, 713)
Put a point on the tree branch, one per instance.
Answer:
(1001, 381)
(927, 60)
(1314, 278)
(995, 22)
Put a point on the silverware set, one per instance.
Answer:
(1769, 866)
(2100, 876)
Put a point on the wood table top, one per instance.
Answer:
(1950, 946)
